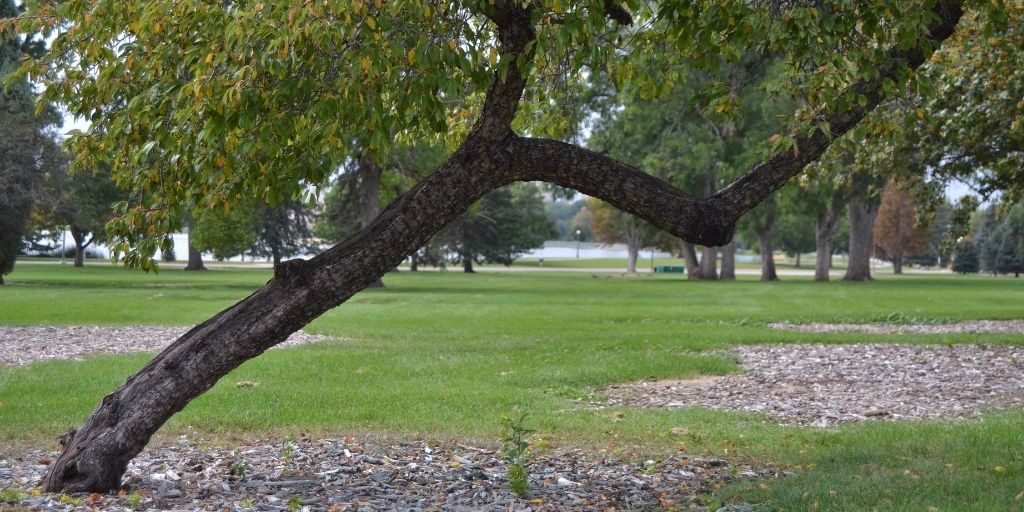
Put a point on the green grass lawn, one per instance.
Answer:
(448, 354)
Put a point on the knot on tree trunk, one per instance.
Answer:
(293, 271)
(65, 439)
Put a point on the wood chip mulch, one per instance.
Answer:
(350, 475)
(823, 385)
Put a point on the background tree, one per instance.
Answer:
(27, 144)
(505, 224)
(1006, 245)
(965, 258)
(897, 231)
(82, 203)
(762, 221)
(266, 106)
(795, 234)
(613, 226)
(282, 231)
(225, 234)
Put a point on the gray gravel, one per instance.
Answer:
(822, 385)
(24, 345)
(347, 474)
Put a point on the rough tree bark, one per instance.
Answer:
(824, 232)
(862, 224)
(728, 272)
(96, 455)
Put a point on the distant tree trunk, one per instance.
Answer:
(195, 258)
(796, 263)
(692, 265)
(467, 265)
(414, 261)
(862, 225)
(764, 239)
(897, 263)
(824, 232)
(80, 245)
(275, 253)
(634, 252)
(709, 263)
(728, 262)
(369, 198)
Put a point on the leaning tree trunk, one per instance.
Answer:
(862, 227)
(728, 262)
(96, 455)
(764, 239)
(824, 232)
(369, 197)
(692, 265)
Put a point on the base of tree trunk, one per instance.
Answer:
(379, 283)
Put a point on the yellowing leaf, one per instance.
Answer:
(364, 63)
(493, 56)
(372, 23)
(411, 56)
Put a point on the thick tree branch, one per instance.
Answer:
(515, 33)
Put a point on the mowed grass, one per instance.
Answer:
(448, 354)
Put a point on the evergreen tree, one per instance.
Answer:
(502, 226)
(27, 146)
(965, 258)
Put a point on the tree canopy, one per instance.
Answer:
(197, 104)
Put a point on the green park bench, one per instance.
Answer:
(674, 269)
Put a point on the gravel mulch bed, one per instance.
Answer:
(24, 345)
(995, 326)
(346, 474)
(823, 385)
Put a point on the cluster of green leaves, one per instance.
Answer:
(202, 104)
(972, 125)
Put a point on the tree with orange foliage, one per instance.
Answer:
(897, 232)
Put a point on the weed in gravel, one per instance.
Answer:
(11, 496)
(134, 501)
(516, 450)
